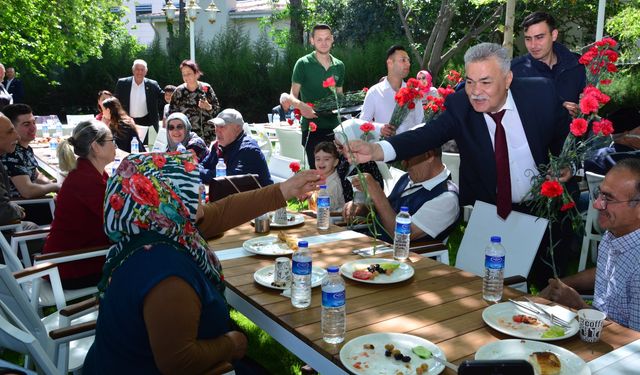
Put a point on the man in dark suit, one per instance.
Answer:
(14, 85)
(534, 125)
(141, 97)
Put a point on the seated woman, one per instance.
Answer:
(121, 125)
(350, 130)
(162, 308)
(327, 159)
(179, 133)
(78, 221)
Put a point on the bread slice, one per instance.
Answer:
(545, 363)
(291, 241)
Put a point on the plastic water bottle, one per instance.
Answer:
(301, 271)
(53, 147)
(494, 255)
(180, 148)
(135, 146)
(45, 129)
(324, 208)
(276, 118)
(334, 317)
(221, 168)
(402, 237)
(114, 167)
(58, 129)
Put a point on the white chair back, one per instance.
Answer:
(279, 167)
(521, 235)
(142, 131)
(452, 161)
(291, 144)
(74, 120)
(389, 184)
(592, 231)
(151, 136)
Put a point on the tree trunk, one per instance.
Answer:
(509, 20)
(182, 20)
(296, 28)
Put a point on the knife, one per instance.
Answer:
(539, 314)
(446, 363)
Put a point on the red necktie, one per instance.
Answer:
(503, 177)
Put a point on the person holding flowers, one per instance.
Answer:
(380, 101)
(307, 86)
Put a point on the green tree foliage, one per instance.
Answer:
(625, 26)
(37, 35)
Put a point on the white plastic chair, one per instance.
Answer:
(592, 232)
(291, 144)
(160, 142)
(389, 184)
(521, 235)
(452, 161)
(54, 332)
(279, 167)
(142, 131)
(74, 120)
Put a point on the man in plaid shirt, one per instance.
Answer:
(616, 277)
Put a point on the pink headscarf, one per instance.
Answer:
(427, 75)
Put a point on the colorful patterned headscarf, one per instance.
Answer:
(156, 195)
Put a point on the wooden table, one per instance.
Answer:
(440, 303)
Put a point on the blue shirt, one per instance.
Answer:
(122, 343)
(617, 289)
(242, 156)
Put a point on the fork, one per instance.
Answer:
(553, 319)
(550, 314)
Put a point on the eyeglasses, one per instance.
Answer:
(175, 127)
(113, 140)
(606, 200)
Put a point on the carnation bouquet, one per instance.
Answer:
(549, 196)
(435, 103)
(406, 99)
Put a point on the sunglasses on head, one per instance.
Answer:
(175, 127)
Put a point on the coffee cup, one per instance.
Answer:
(591, 322)
(282, 272)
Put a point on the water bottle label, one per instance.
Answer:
(403, 228)
(494, 263)
(324, 202)
(301, 268)
(333, 299)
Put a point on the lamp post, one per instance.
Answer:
(191, 10)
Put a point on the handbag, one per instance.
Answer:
(221, 187)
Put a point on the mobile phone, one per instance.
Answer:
(496, 367)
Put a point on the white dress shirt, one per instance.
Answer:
(379, 104)
(438, 213)
(522, 167)
(9, 82)
(137, 100)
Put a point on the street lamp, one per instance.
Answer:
(191, 10)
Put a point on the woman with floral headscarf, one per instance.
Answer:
(162, 308)
(179, 133)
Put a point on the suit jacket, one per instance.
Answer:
(155, 99)
(543, 118)
(16, 90)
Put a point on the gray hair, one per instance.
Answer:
(485, 51)
(139, 62)
(84, 134)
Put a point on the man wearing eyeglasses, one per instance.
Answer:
(616, 277)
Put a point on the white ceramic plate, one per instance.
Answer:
(500, 318)
(571, 364)
(402, 273)
(264, 277)
(373, 361)
(267, 245)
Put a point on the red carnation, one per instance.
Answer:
(411, 105)
(294, 166)
(567, 206)
(329, 82)
(290, 121)
(612, 68)
(551, 189)
(578, 127)
(603, 126)
(312, 126)
(311, 105)
(365, 89)
(454, 77)
(297, 114)
(589, 104)
(605, 82)
(367, 127)
(205, 89)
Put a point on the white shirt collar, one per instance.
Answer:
(509, 104)
(387, 85)
(432, 182)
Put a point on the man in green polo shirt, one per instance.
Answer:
(306, 87)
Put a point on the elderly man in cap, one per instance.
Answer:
(240, 152)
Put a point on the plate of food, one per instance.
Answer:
(265, 277)
(377, 271)
(282, 244)
(518, 322)
(391, 353)
(546, 359)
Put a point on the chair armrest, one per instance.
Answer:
(71, 255)
(22, 202)
(32, 232)
(28, 272)
(222, 368)
(74, 332)
(79, 307)
(511, 280)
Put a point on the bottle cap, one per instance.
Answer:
(404, 209)
(303, 244)
(496, 239)
(323, 186)
(333, 269)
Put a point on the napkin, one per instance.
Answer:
(559, 311)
